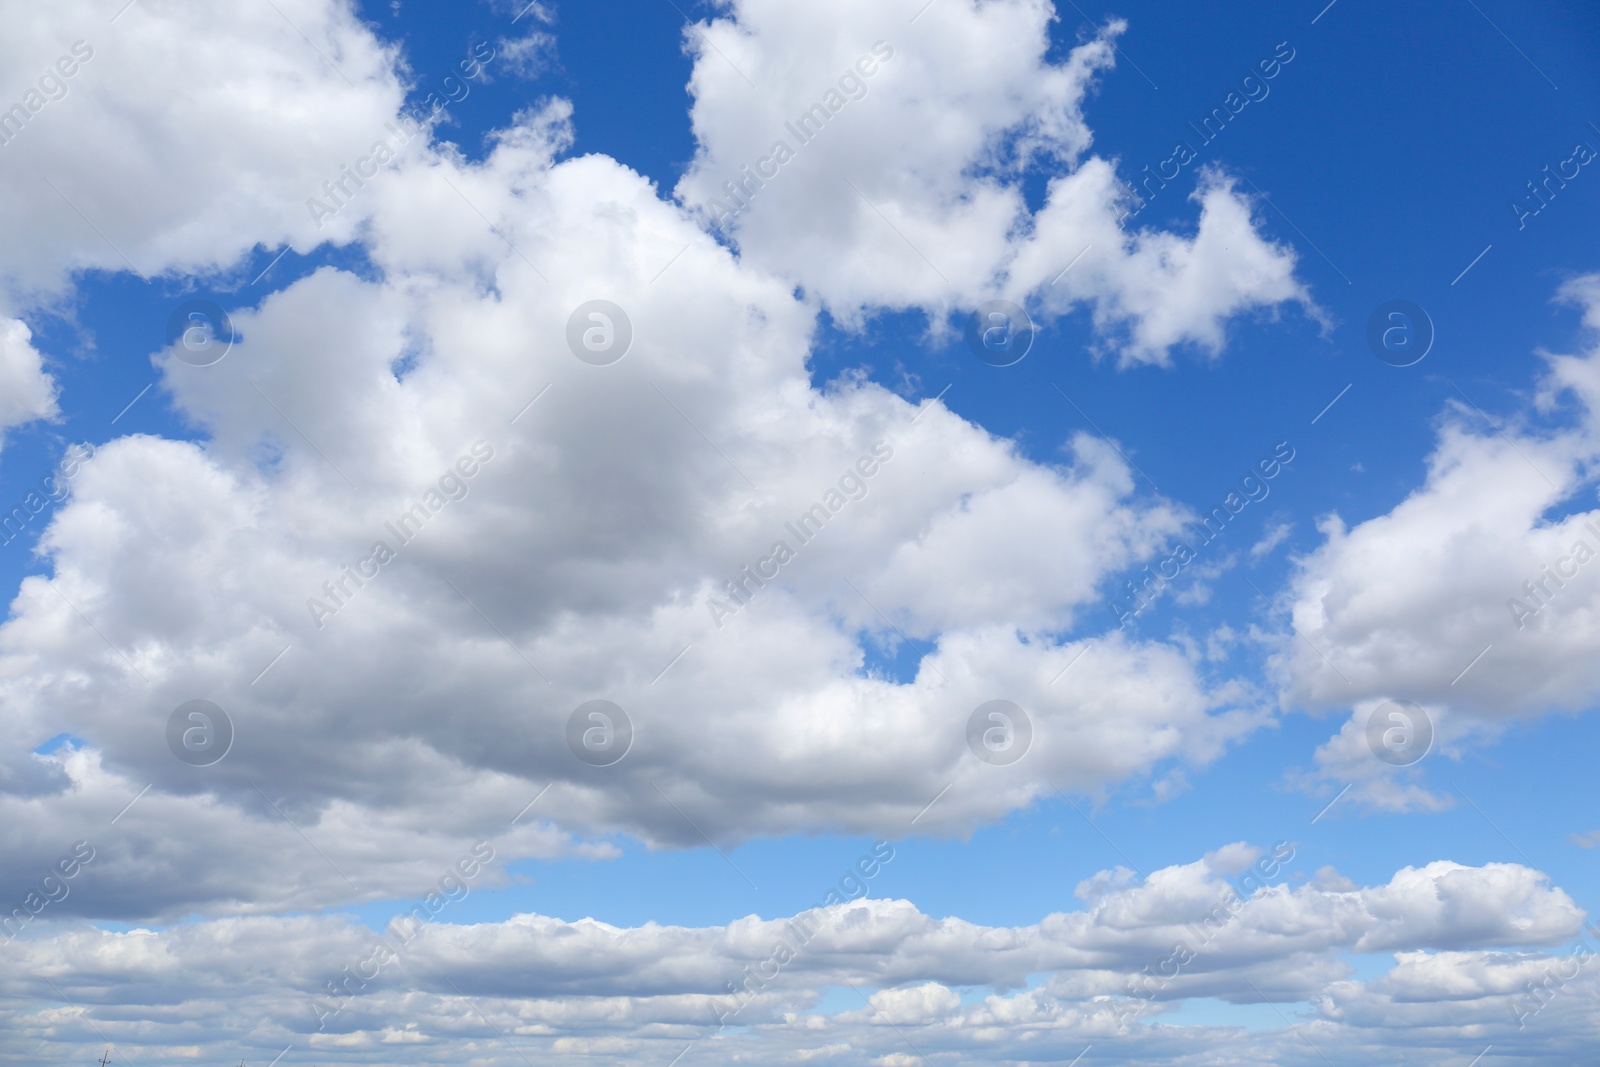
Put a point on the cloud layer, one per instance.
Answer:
(559, 989)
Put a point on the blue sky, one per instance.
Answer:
(1382, 163)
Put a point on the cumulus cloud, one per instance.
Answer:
(1487, 552)
(1539, 1004)
(27, 391)
(1476, 596)
(1348, 763)
(902, 144)
(222, 121)
(603, 547)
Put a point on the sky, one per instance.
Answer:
(899, 533)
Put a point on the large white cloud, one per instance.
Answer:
(903, 187)
(598, 541)
(590, 557)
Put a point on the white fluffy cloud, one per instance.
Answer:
(908, 173)
(594, 540)
(176, 135)
(27, 392)
(1484, 553)
(1496, 556)
(1347, 759)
